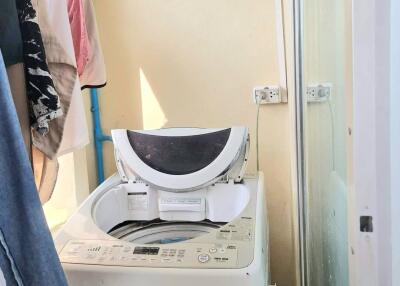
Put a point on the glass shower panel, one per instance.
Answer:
(326, 55)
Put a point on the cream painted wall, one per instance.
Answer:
(71, 189)
(194, 63)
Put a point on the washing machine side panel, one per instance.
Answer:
(88, 275)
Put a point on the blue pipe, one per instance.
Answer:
(99, 136)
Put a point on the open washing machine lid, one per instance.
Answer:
(181, 159)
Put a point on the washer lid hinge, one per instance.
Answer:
(121, 168)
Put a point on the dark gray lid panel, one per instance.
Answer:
(178, 155)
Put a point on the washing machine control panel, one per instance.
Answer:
(115, 253)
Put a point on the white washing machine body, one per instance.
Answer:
(163, 223)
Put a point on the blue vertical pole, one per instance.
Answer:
(99, 136)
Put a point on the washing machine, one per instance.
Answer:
(180, 211)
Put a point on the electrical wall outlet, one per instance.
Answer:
(267, 94)
(318, 92)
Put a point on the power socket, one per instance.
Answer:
(318, 92)
(267, 95)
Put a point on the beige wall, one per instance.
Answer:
(194, 63)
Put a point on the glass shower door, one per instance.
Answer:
(324, 86)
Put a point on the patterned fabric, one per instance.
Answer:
(68, 132)
(43, 99)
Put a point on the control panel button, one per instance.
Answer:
(203, 258)
(213, 250)
(109, 253)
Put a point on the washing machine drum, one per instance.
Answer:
(161, 232)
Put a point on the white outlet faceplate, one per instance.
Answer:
(267, 94)
(318, 92)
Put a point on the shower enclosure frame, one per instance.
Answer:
(300, 147)
(300, 142)
(373, 157)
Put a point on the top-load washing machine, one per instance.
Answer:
(179, 212)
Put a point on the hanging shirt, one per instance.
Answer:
(27, 252)
(94, 74)
(70, 131)
(79, 33)
(10, 40)
(43, 99)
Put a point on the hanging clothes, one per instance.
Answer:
(70, 131)
(79, 32)
(94, 74)
(27, 252)
(43, 98)
(10, 40)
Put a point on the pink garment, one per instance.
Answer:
(79, 32)
(94, 74)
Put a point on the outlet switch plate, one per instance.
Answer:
(318, 92)
(267, 95)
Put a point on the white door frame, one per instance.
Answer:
(395, 136)
(376, 129)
